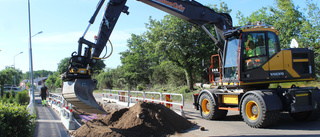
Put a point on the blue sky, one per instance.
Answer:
(64, 21)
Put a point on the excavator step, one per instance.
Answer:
(79, 93)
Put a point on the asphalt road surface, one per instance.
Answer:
(233, 125)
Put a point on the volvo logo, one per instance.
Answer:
(275, 74)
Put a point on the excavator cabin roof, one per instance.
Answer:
(250, 28)
(259, 26)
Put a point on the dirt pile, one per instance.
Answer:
(141, 120)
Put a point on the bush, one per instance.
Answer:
(22, 98)
(140, 87)
(184, 90)
(13, 94)
(4, 98)
(15, 121)
(7, 94)
(11, 99)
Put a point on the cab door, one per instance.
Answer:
(254, 55)
(230, 68)
(277, 67)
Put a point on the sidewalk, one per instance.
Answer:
(48, 122)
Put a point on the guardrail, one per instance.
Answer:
(31, 106)
(129, 98)
(58, 103)
(121, 97)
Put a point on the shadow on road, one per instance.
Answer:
(288, 123)
(302, 135)
(191, 115)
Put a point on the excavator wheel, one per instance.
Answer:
(209, 110)
(255, 114)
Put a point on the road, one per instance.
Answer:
(234, 126)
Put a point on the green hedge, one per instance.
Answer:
(15, 121)
(21, 98)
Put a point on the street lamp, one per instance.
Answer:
(37, 33)
(14, 59)
(14, 66)
(30, 62)
(30, 53)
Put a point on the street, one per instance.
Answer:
(233, 125)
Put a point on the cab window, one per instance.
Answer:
(230, 67)
(272, 44)
(254, 50)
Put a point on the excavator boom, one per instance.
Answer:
(78, 85)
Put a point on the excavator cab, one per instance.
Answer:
(252, 56)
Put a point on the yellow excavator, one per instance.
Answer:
(248, 60)
(240, 77)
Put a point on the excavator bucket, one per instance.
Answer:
(79, 94)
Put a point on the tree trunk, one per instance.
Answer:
(189, 78)
(2, 88)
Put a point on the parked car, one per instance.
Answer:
(15, 89)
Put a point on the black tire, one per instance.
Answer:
(306, 115)
(255, 114)
(209, 110)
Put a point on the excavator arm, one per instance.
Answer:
(196, 13)
(78, 85)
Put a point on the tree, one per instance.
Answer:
(7, 76)
(138, 60)
(182, 43)
(38, 73)
(58, 82)
(63, 65)
(168, 73)
(105, 79)
(50, 82)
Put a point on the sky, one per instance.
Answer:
(63, 22)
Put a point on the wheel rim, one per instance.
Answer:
(205, 106)
(252, 110)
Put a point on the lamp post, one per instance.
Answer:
(30, 53)
(14, 66)
(37, 34)
(14, 59)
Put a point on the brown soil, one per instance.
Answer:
(108, 107)
(141, 120)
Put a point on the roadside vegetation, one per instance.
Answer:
(15, 120)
